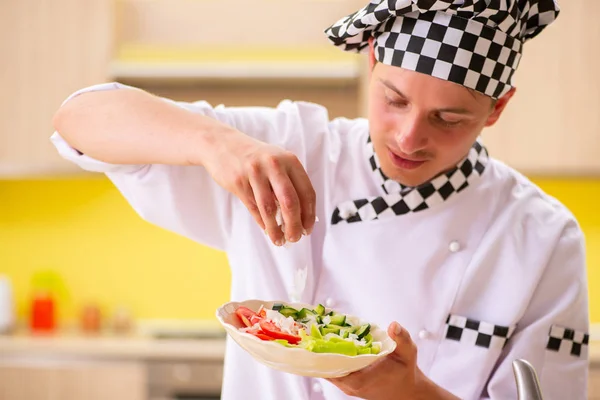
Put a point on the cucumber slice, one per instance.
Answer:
(289, 312)
(363, 331)
(327, 329)
(344, 333)
(320, 310)
(305, 312)
(277, 306)
(338, 319)
(352, 329)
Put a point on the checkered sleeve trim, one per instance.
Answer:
(478, 333)
(567, 341)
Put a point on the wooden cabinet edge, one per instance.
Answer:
(42, 171)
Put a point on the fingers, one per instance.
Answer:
(289, 202)
(248, 198)
(406, 349)
(267, 206)
(306, 195)
(242, 188)
(278, 182)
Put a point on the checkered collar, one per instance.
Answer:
(457, 177)
(400, 199)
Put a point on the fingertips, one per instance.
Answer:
(308, 219)
(406, 349)
(398, 333)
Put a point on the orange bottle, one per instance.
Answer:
(42, 312)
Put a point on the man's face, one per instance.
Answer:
(422, 126)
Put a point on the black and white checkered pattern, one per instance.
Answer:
(475, 43)
(568, 341)
(478, 333)
(400, 199)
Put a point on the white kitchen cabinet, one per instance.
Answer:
(216, 23)
(48, 50)
(255, 58)
(72, 380)
(269, 40)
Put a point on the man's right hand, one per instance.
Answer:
(264, 176)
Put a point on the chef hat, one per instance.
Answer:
(475, 43)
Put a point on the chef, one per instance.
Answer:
(464, 261)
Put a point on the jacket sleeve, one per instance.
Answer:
(185, 199)
(553, 333)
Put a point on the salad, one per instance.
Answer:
(318, 330)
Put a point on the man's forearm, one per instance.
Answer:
(128, 126)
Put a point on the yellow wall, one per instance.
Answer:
(103, 251)
(86, 232)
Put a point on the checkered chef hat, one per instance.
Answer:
(475, 43)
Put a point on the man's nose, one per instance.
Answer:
(412, 135)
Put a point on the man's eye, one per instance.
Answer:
(395, 102)
(448, 123)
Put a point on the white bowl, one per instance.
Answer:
(298, 361)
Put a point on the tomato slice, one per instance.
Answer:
(255, 331)
(262, 336)
(262, 313)
(272, 330)
(255, 319)
(245, 315)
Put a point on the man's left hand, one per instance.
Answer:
(395, 377)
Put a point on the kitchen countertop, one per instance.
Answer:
(132, 347)
(135, 347)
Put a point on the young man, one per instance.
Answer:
(468, 264)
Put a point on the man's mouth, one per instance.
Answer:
(405, 163)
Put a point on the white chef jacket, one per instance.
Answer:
(493, 274)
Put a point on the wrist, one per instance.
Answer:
(426, 389)
(209, 141)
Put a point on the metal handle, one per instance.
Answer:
(528, 386)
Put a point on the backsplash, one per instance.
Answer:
(85, 232)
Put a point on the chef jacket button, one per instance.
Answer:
(454, 246)
(424, 334)
(317, 387)
(329, 302)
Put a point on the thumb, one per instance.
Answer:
(406, 349)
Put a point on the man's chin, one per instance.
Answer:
(414, 177)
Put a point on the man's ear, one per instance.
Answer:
(499, 107)
(372, 59)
